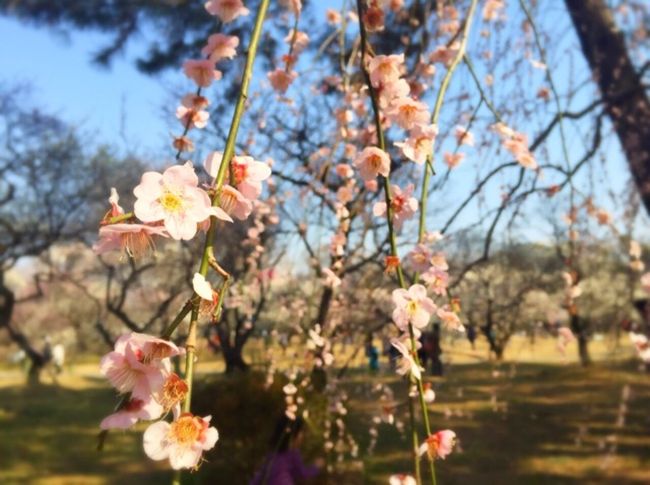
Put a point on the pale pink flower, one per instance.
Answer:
(201, 71)
(344, 170)
(136, 240)
(453, 159)
(233, 202)
(192, 118)
(603, 217)
(131, 412)
(450, 318)
(438, 445)
(420, 257)
(280, 79)
(183, 441)
(444, 54)
(295, 6)
(393, 90)
(299, 43)
(436, 279)
(226, 10)
(492, 8)
(635, 249)
(385, 69)
(174, 198)
(203, 288)
(249, 173)
(403, 205)
(407, 112)
(138, 364)
(412, 306)
(332, 16)
(401, 480)
(371, 162)
(345, 194)
(463, 136)
(419, 145)
(406, 364)
(220, 47)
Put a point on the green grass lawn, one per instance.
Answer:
(525, 423)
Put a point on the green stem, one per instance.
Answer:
(415, 441)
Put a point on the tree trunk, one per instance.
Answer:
(580, 331)
(626, 101)
(37, 359)
(234, 359)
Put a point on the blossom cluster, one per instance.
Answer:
(282, 77)
(139, 368)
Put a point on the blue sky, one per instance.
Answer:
(121, 106)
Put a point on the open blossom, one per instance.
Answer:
(444, 54)
(332, 16)
(385, 69)
(492, 8)
(438, 445)
(138, 364)
(517, 144)
(450, 318)
(249, 173)
(220, 47)
(203, 288)
(420, 257)
(642, 346)
(226, 10)
(463, 136)
(201, 71)
(131, 412)
(183, 441)
(453, 159)
(136, 240)
(436, 279)
(192, 118)
(295, 6)
(406, 364)
(371, 162)
(390, 91)
(402, 203)
(419, 145)
(174, 198)
(233, 203)
(300, 40)
(408, 113)
(280, 79)
(412, 306)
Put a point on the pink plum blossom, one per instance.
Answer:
(174, 198)
(182, 442)
(220, 47)
(453, 159)
(138, 364)
(402, 203)
(201, 71)
(385, 69)
(419, 145)
(280, 79)
(299, 43)
(136, 240)
(450, 318)
(406, 364)
(131, 412)
(438, 445)
(226, 10)
(420, 257)
(407, 112)
(463, 136)
(371, 162)
(436, 279)
(192, 118)
(249, 173)
(401, 480)
(233, 203)
(412, 306)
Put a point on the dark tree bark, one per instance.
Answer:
(624, 95)
(37, 359)
(580, 330)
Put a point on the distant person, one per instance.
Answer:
(284, 465)
(373, 355)
(58, 357)
(471, 335)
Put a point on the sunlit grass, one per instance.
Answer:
(528, 422)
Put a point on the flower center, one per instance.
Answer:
(374, 161)
(239, 171)
(412, 307)
(227, 200)
(185, 430)
(397, 204)
(171, 202)
(174, 391)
